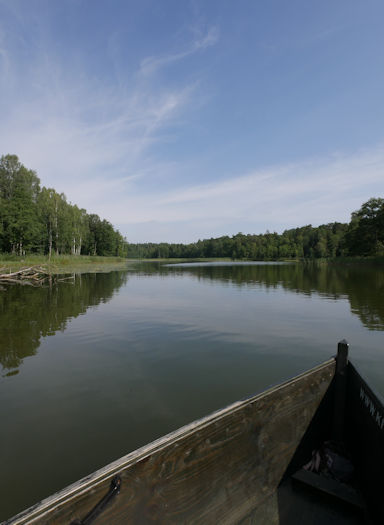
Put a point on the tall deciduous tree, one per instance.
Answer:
(34, 220)
(365, 234)
(19, 189)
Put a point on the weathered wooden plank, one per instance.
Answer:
(215, 470)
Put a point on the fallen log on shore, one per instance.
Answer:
(32, 276)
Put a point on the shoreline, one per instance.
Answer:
(93, 263)
(65, 264)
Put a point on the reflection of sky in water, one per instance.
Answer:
(236, 315)
(164, 349)
(224, 264)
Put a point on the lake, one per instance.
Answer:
(105, 362)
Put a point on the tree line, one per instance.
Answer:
(363, 236)
(35, 219)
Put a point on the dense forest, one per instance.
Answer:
(310, 242)
(36, 219)
(363, 236)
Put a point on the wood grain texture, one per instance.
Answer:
(215, 470)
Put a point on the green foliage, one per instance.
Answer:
(41, 221)
(34, 220)
(19, 188)
(308, 242)
(365, 235)
(49, 308)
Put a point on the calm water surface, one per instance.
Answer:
(94, 368)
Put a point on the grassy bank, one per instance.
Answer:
(64, 263)
(94, 263)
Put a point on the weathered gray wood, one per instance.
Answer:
(215, 470)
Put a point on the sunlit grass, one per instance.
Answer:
(60, 263)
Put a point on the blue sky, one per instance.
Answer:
(185, 119)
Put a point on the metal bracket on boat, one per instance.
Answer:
(113, 491)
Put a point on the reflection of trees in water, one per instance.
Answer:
(27, 314)
(367, 298)
(362, 284)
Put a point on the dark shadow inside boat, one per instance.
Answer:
(305, 497)
(311, 495)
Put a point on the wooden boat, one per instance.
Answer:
(244, 464)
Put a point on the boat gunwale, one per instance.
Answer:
(106, 473)
(374, 393)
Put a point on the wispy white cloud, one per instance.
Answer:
(82, 136)
(150, 65)
(96, 140)
(94, 143)
(315, 191)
